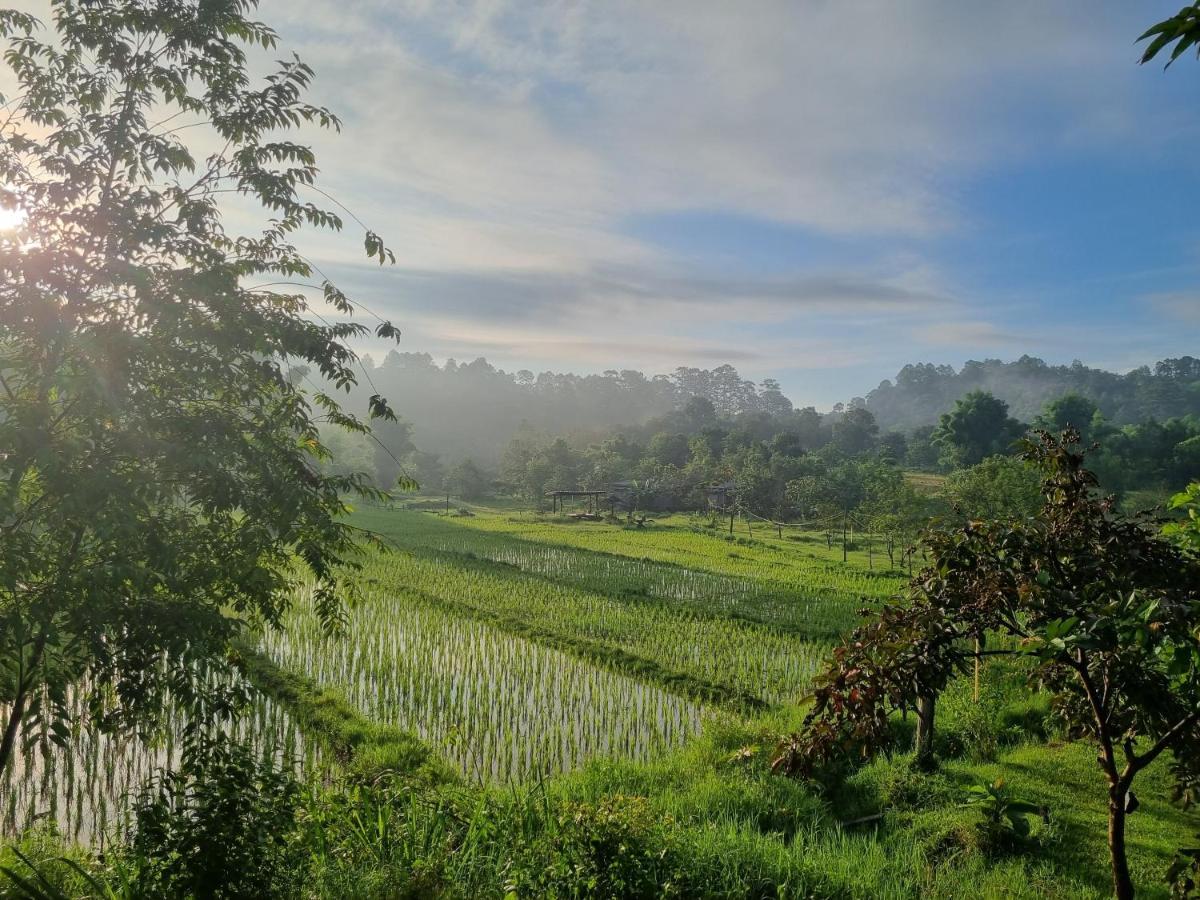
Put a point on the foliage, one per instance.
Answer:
(978, 427)
(614, 848)
(1181, 29)
(1003, 818)
(1106, 608)
(1186, 532)
(1000, 487)
(467, 480)
(159, 469)
(221, 825)
(708, 816)
(855, 432)
(920, 393)
(82, 788)
(1071, 410)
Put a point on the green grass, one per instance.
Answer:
(676, 562)
(709, 657)
(569, 670)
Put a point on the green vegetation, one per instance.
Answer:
(218, 679)
(80, 786)
(363, 746)
(638, 809)
(1103, 610)
(158, 468)
(501, 707)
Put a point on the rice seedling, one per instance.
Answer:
(756, 660)
(83, 789)
(769, 583)
(501, 708)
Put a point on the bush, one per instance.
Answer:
(223, 825)
(616, 847)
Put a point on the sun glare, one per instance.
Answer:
(11, 218)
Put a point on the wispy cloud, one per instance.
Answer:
(1182, 306)
(972, 335)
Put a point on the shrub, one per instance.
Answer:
(616, 847)
(223, 825)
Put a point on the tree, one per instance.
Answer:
(1181, 29)
(668, 449)
(895, 510)
(978, 427)
(392, 443)
(699, 413)
(467, 480)
(159, 471)
(1000, 487)
(855, 432)
(1069, 411)
(1107, 610)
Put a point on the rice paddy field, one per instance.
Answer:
(84, 789)
(553, 670)
(518, 648)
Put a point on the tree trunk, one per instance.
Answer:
(924, 747)
(9, 741)
(24, 684)
(1122, 884)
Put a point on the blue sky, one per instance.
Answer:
(811, 190)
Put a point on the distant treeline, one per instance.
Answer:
(471, 410)
(473, 430)
(920, 393)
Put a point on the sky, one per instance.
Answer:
(813, 191)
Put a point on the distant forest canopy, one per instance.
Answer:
(472, 410)
(472, 430)
(922, 392)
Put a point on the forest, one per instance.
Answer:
(278, 620)
(787, 464)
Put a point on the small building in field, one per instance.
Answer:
(722, 495)
(592, 498)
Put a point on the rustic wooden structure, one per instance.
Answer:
(592, 497)
(721, 496)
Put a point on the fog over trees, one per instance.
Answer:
(472, 410)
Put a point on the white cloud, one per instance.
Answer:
(502, 147)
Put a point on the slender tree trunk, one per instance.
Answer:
(11, 728)
(926, 706)
(978, 665)
(25, 683)
(1122, 883)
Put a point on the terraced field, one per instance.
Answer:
(515, 649)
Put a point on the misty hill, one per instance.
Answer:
(922, 392)
(472, 410)
(461, 410)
